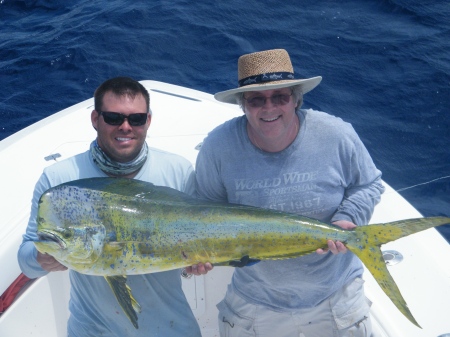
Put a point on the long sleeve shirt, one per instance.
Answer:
(94, 310)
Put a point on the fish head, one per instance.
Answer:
(69, 228)
(72, 245)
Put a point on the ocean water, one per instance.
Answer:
(385, 66)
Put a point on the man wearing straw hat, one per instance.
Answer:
(301, 161)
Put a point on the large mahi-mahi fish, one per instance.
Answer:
(115, 227)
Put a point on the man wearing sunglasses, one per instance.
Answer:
(282, 157)
(122, 118)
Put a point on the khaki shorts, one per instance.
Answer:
(345, 313)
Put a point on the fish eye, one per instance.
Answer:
(67, 234)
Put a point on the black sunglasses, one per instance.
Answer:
(117, 118)
(277, 99)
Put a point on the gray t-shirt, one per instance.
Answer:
(326, 174)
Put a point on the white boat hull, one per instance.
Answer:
(181, 119)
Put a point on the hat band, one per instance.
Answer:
(266, 77)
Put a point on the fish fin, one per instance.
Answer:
(366, 245)
(294, 255)
(250, 261)
(125, 298)
(378, 234)
(374, 262)
(114, 246)
(247, 261)
(132, 188)
(244, 261)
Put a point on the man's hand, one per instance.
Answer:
(49, 263)
(337, 247)
(199, 269)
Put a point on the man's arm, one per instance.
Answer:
(32, 263)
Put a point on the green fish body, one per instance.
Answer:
(115, 227)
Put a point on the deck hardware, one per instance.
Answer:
(392, 257)
(185, 274)
(52, 157)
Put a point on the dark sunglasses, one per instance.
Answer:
(260, 101)
(117, 118)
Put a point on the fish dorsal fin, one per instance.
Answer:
(125, 298)
(132, 188)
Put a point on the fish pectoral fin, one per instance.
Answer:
(115, 246)
(375, 263)
(125, 298)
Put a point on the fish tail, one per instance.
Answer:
(378, 234)
(366, 245)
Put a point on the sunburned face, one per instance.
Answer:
(121, 143)
(273, 126)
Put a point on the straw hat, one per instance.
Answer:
(269, 69)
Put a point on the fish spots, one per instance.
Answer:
(184, 255)
(146, 249)
(111, 236)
